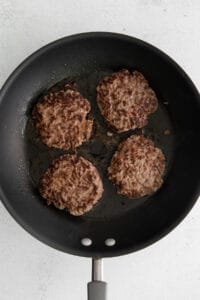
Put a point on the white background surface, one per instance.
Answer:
(167, 270)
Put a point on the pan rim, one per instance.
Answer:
(5, 88)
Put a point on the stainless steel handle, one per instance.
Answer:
(97, 288)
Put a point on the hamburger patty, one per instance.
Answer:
(60, 118)
(137, 167)
(72, 183)
(125, 100)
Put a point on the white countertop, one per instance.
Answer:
(167, 270)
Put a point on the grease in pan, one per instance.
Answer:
(136, 168)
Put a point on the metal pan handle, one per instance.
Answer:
(97, 289)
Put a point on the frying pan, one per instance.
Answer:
(116, 225)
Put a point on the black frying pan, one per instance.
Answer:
(129, 224)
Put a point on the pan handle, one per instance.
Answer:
(97, 288)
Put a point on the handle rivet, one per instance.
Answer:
(86, 242)
(110, 242)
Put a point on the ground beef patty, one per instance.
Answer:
(60, 118)
(72, 183)
(125, 100)
(137, 167)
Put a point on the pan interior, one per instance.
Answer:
(101, 147)
(133, 224)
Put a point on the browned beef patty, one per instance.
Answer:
(72, 183)
(137, 167)
(60, 118)
(125, 100)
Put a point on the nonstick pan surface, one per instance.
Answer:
(134, 224)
